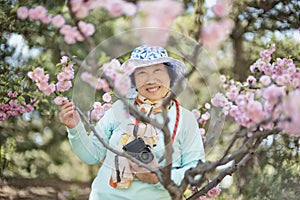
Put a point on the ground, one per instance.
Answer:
(43, 189)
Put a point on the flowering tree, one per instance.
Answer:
(263, 105)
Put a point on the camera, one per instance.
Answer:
(138, 149)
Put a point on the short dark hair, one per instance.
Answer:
(171, 73)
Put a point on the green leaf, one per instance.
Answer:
(6, 99)
(20, 99)
(14, 10)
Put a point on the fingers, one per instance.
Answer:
(68, 115)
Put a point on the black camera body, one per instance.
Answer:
(138, 149)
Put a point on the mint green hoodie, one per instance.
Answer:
(188, 149)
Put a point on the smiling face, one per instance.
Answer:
(152, 82)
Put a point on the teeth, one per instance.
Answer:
(153, 89)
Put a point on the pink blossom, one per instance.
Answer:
(70, 39)
(266, 54)
(37, 13)
(61, 76)
(46, 20)
(215, 32)
(291, 108)
(202, 133)
(63, 86)
(129, 9)
(251, 80)
(60, 100)
(201, 121)
(64, 59)
(3, 116)
(103, 84)
(97, 105)
(207, 106)
(86, 28)
(12, 94)
(196, 113)
(265, 80)
(272, 93)
(233, 92)
(283, 79)
(29, 108)
(219, 100)
(41, 12)
(106, 97)
(114, 7)
(223, 78)
(76, 5)
(65, 29)
(58, 21)
(122, 84)
(46, 88)
(82, 12)
(22, 12)
(78, 36)
(255, 111)
(106, 106)
(98, 111)
(156, 14)
(36, 74)
(202, 198)
(222, 7)
(215, 191)
(205, 116)
(95, 115)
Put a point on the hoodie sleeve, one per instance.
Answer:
(87, 146)
(190, 144)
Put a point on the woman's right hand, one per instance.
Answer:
(68, 115)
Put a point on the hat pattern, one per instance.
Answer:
(148, 53)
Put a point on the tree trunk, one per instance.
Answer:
(240, 68)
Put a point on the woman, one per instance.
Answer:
(118, 178)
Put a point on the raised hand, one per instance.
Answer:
(68, 115)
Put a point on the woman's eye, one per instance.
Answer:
(141, 72)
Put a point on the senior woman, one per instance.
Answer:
(118, 178)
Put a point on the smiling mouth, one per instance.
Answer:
(153, 89)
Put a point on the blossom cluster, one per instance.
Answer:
(211, 194)
(118, 75)
(271, 93)
(217, 31)
(202, 115)
(64, 79)
(99, 108)
(72, 34)
(14, 107)
(157, 15)
(115, 8)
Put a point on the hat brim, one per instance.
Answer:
(177, 66)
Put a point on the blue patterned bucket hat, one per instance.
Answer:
(144, 56)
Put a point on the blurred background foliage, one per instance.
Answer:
(35, 145)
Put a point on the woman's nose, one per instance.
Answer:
(150, 79)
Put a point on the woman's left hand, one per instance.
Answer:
(144, 174)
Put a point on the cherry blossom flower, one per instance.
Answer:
(106, 97)
(215, 191)
(86, 28)
(59, 100)
(58, 21)
(265, 80)
(222, 8)
(22, 12)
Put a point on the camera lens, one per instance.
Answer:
(146, 156)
